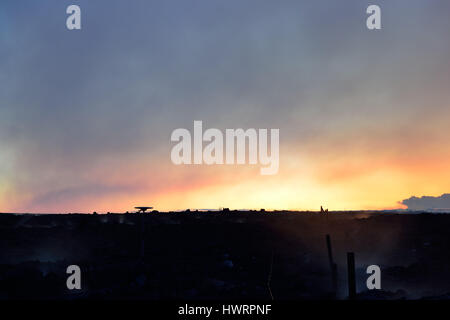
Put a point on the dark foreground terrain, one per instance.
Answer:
(222, 255)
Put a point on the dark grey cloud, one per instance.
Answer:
(441, 203)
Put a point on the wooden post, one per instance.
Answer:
(142, 247)
(351, 275)
(330, 253)
(333, 266)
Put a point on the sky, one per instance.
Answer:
(86, 115)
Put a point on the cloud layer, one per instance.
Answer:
(87, 115)
(428, 203)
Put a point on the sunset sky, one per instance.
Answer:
(86, 115)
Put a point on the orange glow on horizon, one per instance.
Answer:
(342, 178)
(337, 187)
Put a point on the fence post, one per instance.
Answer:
(351, 275)
(333, 266)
